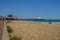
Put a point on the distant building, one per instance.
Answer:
(1, 18)
(11, 17)
(38, 18)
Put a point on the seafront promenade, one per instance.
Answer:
(1, 29)
(5, 35)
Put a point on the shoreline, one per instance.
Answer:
(35, 22)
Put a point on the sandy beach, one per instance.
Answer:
(35, 30)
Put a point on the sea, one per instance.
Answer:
(43, 20)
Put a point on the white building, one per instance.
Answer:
(38, 17)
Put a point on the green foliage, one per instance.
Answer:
(9, 29)
(9, 35)
(14, 38)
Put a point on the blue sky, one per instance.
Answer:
(49, 9)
